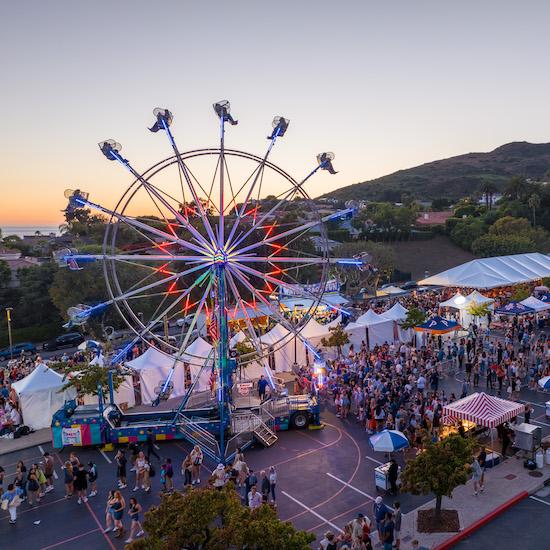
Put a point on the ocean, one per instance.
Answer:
(21, 230)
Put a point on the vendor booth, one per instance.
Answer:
(537, 305)
(39, 396)
(397, 313)
(284, 349)
(514, 308)
(483, 410)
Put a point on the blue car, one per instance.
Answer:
(25, 347)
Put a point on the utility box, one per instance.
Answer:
(528, 437)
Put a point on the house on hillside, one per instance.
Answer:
(15, 262)
(433, 218)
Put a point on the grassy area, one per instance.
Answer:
(434, 256)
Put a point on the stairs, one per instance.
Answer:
(266, 436)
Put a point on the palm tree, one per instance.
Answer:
(517, 188)
(488, 189)
(534, 203)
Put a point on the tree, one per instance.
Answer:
(338, 338)
(466, 231)
(498, 245)
(207, 519)
(517, 188)
(488, 189)
(415, 317)
(520, 293)
(439, 469)
(477, 310)
(87, 379)
(5, 274)
(534, 203)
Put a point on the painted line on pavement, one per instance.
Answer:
(105, 456)
(109, 542)
(374, 460)
(69, 540)
(540, 500)
(319, 516)
(356, 489)
(41, 450)
(156, 446)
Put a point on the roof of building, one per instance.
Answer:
(433, 218)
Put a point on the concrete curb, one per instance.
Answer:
(449, 543)
(34, 439)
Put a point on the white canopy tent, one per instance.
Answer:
(39, 396)
(494, 272)
(124, 394)
(199, 353)
(237, 338)
(372, 328)
(287, 349)
(153, 367)
(398, 313)
(536, 304)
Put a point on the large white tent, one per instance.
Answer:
(39, 396)
(494, 272)
(287, 349)
(372, 328)
(397, 313)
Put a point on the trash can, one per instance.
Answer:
(547, 409)
(539, 457)
(547, 456)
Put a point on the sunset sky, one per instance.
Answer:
(385, 85)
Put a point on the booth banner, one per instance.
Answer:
(71, 436)
(286, 291)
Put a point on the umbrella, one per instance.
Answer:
(544, 382)
(388, 441)
(514, 308)
(89, 344)
(438, 325)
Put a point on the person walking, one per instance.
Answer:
(48, 471)
(197, 458)
(68, 476)
(92, 478)
(265, 486)
(272, 482)
(140, 471)
(32, 488)
(118, 506)
(11, 500)
(121, 462)
(476, 475)
(379, 511)
(482, 459)
(169, 474)
(254, 498)
(134, 511)
(186, 468)
(527, 413)
(151, 444)
(109, 512)
(81, 484)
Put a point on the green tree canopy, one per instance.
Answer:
(414, 318)
(207, 519)
(5, 274)
(338, 338)
(439, 469)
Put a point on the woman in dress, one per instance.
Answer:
(186, 468)
(134, 511)
(33, 487)
(109, 512)
(118, 511)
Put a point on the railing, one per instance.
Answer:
(276, 407)
(197, 435)
(267, 418)
(240, 440)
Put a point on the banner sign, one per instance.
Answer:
(71, 436)
(303, 290)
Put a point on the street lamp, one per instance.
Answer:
(8, 317)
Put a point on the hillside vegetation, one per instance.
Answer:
(455, 177)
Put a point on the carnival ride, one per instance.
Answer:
(229, 232)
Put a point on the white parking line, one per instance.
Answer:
(105, 456)
(41, 450)
(540, 500)
(356, 489)
(374, 460)
(324, 520)
(156, 446)
(55, 475)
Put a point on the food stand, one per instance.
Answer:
(381, 477)
(387, 441)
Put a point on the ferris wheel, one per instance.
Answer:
(210, 243)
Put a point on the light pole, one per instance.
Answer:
(8, 317)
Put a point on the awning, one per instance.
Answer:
(438, 325)
(514, 308)
(484, 410)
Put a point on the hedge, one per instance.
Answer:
(39, 333)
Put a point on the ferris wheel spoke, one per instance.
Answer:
(238, 298)
(287, 195)
(281, 319)
(175, 277)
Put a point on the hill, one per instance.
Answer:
(455, 177)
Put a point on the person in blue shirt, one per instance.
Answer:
(262, 386)
(379, 511)
(13, 496)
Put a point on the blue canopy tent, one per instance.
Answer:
(514, 308)
(438, 325)
(544, 297)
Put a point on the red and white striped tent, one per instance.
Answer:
(484, 410)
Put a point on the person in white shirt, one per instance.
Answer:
(254, 498)
(218, 476)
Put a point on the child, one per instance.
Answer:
(169, 474)
(163, 477)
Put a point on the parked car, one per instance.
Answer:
(409, 285)
(25, 347)
(69, 340)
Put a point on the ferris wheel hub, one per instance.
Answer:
(220, 257)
